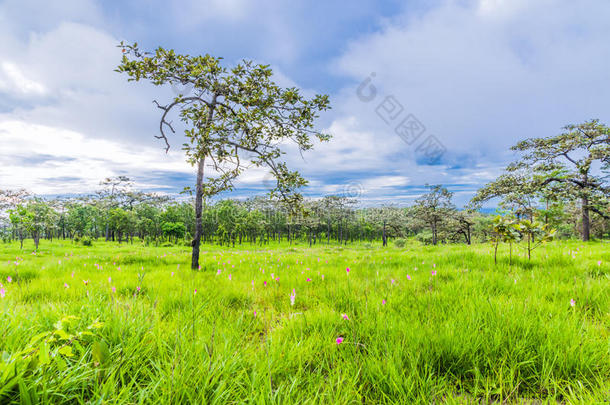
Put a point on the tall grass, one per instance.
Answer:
(473, 332)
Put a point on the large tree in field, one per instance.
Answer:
(574, 159)
(434, 208)
(235, 118)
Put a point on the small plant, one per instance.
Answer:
(505, 229)
(87, 241)
(400, 243)
(537, 233)
(48, 354)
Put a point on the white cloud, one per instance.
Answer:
(14, 82)
(51, 160)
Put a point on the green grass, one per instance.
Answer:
(474, 332)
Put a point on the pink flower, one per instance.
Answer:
(393, 281)
(172, 274)
(218, 272)
(339, 340)
(138, 288)
(255, 314)
(434, 272)
(408, 277)
(66, 285)
(2, 292)
(599, 262)
(344, 316)
(347, 270)
(265, 283)
(109, 279)
(322, 276)
(308, 279)
(113, 289)
(86, 282)
(434, 265)
(195, 292)
(9, 279)
(230, 277)
(572, 302)
(383, 302)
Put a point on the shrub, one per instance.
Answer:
(87, 241)
(400, 243)
(425, 237)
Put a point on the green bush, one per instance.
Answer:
(87, 241)
(400, 243)
(425, 237)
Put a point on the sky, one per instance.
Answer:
(422, 92)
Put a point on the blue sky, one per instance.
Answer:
(475, 75)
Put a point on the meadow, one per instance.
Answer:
(283, 324)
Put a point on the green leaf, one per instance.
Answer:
(66, 351)
(100, 352)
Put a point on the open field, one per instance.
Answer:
(425, 324)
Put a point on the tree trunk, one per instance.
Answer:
(586, 225)
(198, 214)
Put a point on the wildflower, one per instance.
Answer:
(339, 340)
(292, 297)
(195, 292)
(393, 281)
(322, 276)
(86, 282)
(218, 272)
(255, 314)
(138, 288)
(2, 292)
(109, 280)
(599, 262)
(434, 272)
(113, 290)
(383, 302)
(347, 270)
(308, 279)
(72, 274)
(408, 277)
(172, 274)
(572, 302)
(265, 283)
(9, 279)
(230, 277)
(66, 285)
(344, 316)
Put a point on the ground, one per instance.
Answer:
(285, 324)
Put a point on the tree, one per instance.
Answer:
(434, 208)
(517, 189)
(505, 229)
(235, 118)
(536, 232)
(569, 159)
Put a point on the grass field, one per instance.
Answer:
(424, 324)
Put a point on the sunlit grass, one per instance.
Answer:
(471, 331)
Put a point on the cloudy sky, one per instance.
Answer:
(463, 79)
